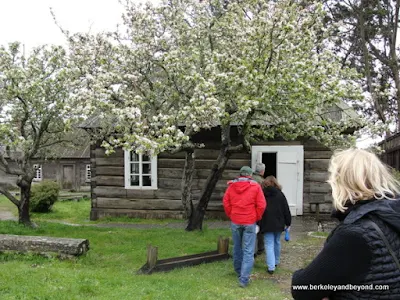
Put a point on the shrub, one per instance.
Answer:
(43, 196)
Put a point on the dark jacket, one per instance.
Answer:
(355, 254)
(277, 213)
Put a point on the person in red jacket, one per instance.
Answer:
(244, 204)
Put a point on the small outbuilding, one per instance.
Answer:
(135, 185)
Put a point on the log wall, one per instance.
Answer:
(391, 154)
(110, 198)
(316, 189)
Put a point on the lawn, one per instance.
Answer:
(108, 269)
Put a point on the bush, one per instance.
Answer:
(43, 196)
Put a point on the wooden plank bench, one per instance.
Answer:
(40, 244)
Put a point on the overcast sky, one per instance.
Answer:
(30, 21)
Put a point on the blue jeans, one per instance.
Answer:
(244, 239)
(272, 242)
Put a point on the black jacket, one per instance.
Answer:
(277, 213)
(355, 254)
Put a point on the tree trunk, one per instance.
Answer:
(197, 216)
(23, 208)
(187, 180)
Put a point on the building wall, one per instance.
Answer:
(391, 155)
(110, 198)
(53, 170)
(316, 189)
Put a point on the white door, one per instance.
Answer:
(289, 172)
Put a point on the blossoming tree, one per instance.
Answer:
(37, 110)
(185, 66)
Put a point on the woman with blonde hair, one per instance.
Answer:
(360, 258)
(275, 219)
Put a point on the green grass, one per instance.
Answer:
(108, 270)
(76, 212)
(7, 205)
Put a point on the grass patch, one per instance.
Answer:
(108, 270)
(7, 205)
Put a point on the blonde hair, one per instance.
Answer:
(272, 181)
(357, 174)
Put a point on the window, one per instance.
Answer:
(140, 171)
(38, 172)
(88, 173)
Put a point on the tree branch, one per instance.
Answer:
(4, 162)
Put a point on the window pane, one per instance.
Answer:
(146, 180)
(134, 156)
(134, 180)
(135, 168)
(146, 168)
(145, 158)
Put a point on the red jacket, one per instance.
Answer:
(244, 201)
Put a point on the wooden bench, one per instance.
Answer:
(40, 244)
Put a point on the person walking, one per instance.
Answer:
(275, 220)
(258, 175)
(244, 204)
(362, 253)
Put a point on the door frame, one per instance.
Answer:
(299, 149)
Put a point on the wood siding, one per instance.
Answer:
(110, 198)
(391, 154)
(316, 190)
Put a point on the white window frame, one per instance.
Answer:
(88, 173)
(38, 172)
(153, 174)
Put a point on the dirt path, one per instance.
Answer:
(295, 255)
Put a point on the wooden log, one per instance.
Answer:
(110, 161)
(233, 164)
(317, 198)
(317, 187)
(140, 204)
(314, 176)
(118, 181)
(152, 256)
(316, 164)
(197, 184)
(110, 170)
(142, 214)
(39, 244)
(110, 191)
(223, 245)
(317, 154)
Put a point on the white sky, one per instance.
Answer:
(30, 21)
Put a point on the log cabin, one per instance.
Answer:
(71, 169)
(134, 185)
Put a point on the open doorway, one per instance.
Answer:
(269, 160)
